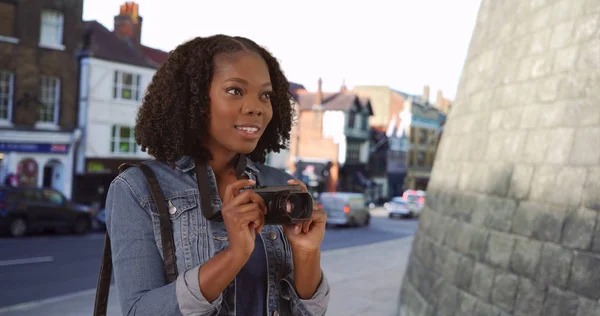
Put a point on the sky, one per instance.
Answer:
(403, 44)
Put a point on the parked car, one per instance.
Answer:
(398, 207)
(343, 208)
(25, 210)
(416, 200)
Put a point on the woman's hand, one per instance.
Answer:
(243, 215)
(306, 237)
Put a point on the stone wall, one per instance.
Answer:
(511, 225)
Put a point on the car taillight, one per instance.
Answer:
(346, 209)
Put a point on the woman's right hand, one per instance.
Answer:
(243, 215)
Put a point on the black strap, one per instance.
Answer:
(204, 187)
(166, 231)
(166, 235)
(103, 286)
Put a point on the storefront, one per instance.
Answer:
(315, 174)
(37, 159)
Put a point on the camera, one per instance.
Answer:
(286, 204)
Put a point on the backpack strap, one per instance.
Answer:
(166, 235)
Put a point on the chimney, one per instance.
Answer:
(440, 99)
(128, 24)
(344, 88)
(319, 99)
(426, 94)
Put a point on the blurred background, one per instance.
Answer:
(501, 96)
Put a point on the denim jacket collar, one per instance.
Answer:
(187, 163)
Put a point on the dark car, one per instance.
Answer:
(25, 210)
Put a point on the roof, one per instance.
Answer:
(295, 88)
(338, 101)
(156, 55)
(104, 44)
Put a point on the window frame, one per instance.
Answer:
(43, 99)
(8, 97)
(118, 85)
(47, 24)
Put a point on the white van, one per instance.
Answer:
(344, 208)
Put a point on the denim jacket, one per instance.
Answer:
(133, 226)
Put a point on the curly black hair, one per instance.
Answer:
(175, 112)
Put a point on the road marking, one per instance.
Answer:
(14, 262)
(33, 304)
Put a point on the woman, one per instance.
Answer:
(215, 100)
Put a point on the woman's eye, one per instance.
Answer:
(267, 95)
(234, 91)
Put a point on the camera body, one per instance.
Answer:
(286, 204)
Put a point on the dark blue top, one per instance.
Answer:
(251, 283)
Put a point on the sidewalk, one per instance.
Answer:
(365, 280)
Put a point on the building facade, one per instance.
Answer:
(39, 43)
(330, 143)
(115, 71)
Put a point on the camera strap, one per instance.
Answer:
(204, 186)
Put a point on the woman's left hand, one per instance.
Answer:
(306, 237)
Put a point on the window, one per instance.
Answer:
(7, 81)
(7, 20)
(353, 152)
(126, 86)
(51, 29)
(53, 197)
(123, 140)
(351, 118)
(365, 123)
(49, 99)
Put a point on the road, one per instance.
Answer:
(42, 267)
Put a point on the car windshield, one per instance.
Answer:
(332, 203)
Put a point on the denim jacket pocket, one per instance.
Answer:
(182, 207)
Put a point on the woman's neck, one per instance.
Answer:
(223, 164)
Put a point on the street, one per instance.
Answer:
(46, 266)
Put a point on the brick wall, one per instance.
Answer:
(511, 225)
(28, 61)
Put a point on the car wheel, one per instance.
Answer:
(18, 227)
(81, 226)
(367, 221)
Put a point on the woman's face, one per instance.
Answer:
(240, 102)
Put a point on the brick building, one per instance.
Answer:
(39, 42)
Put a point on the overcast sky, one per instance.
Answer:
(403, 44)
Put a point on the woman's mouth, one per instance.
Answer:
(248, 131)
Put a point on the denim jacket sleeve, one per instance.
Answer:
(137, 263)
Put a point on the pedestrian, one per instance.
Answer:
(218, 101)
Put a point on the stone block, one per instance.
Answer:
(449, 299)
(555, 265)
(467, 303)
(569, 188)
(588, 56)
(524, 218)
(484, 309)
(540, 41)
(586, 147)
(578, 229)
(587, 28)
(463, 206)
(479, 244)
(530, 118)
(575, 85)
(525, 257)
(596, 240)
(547, 89)
(450, 266)
(541, 65)
(588, 308)
(581, 112)
(483, 281)
(499, 249)
(513, 145)
(536, 146)
(560, 303)
(592, 6)
(499, 217)
(558, 153)
(585, 275)
(520, 181)
(530, 298)
(505, 291)
(562, 34)
(464, 273)
(565, 58)
(497, 178)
